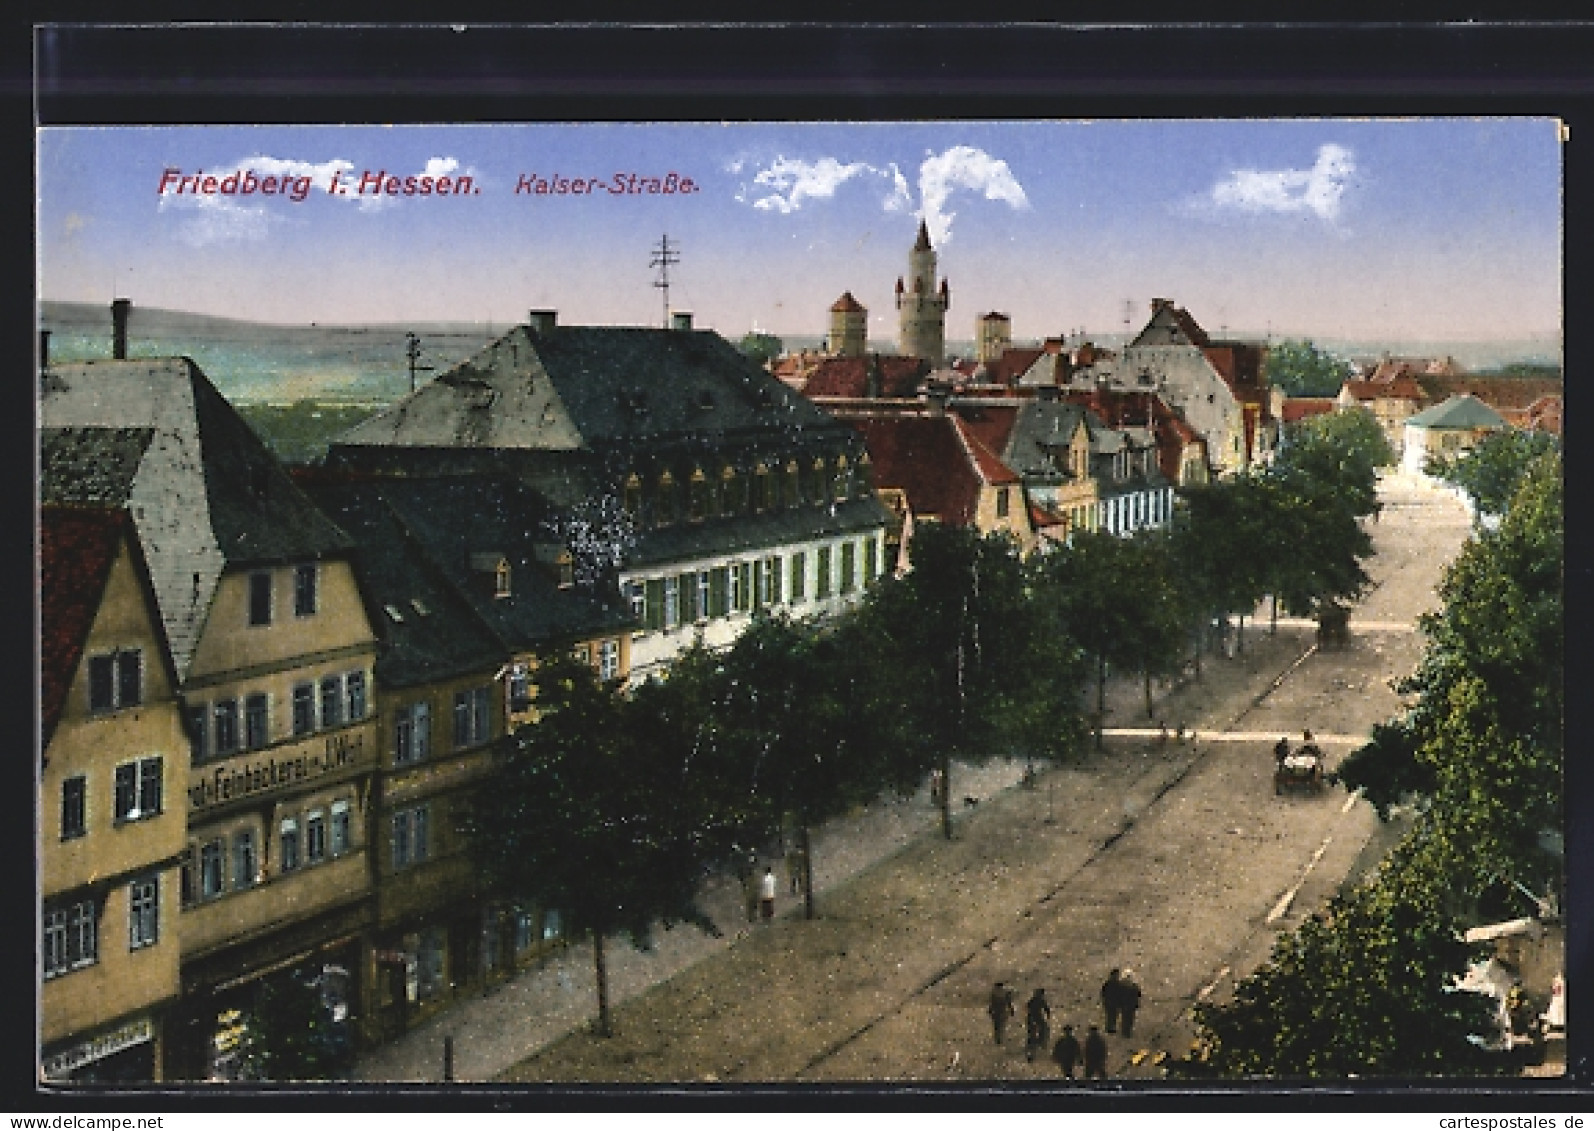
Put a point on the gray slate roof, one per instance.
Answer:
(1462, 411)
(574, 387)
(419, 541)
(205, 493)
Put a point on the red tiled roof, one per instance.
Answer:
(1122, 408)
(1499, 393)
(846, 304)
(990, 424)
(990, 465)
(849, 376)
(1040, 517)
(77, 546)
(1012, 364)
(1299, 408)
(922, 456)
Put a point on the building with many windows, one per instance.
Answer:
(111, 817)
(677, 473)
(273, 657)
(465, 584)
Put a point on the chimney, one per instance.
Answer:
(681, 320)
(1160, 304)
(542, 321)
(119, 311)
(44, 350)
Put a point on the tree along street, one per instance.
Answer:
(1175, 860)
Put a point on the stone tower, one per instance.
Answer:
(994, 335)
(849, 327)
(922, 305)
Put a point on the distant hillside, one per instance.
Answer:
(266, 363)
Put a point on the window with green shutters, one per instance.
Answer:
(653, 603)
(742, 586)
(822, 588)
(849, 567)
(771, 589)
(719, 592)
(799, 579)
(871, 560)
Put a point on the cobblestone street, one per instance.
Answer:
(1175, 859)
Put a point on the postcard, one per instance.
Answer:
(1042, 603)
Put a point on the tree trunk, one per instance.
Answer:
(1101, 697)
(1151, 712)
(1239, 635)
(1273, 629)
(808, 870)
(601, 969)
(946, 796)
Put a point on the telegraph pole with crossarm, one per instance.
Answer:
(665, 256)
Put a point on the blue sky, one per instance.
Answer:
(1408, 228)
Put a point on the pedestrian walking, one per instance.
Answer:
(1281, 751)
(766, 894)
(1110, 1000)
(1066, 1052)
(1037, 1024)
(1095, 1055)
(1000, 1009)
(1128, 1001)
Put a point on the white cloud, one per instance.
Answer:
(786, 184)
(789, 181)
(1317, 190)
(962, 167)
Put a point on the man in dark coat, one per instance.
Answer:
(1066, 1052)
(1000, 1009)
(1095, 1055)
(1037, 1024)
(1128, 1001)
(1109, 1000)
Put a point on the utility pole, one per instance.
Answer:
(665, 256)
(412, 350)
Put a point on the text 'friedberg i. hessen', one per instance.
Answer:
(370, 182)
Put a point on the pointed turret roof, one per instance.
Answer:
(923, 242)
(846, 304)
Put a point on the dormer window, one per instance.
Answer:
(794, 485)
(665, 509)
(495, 567)
(764, 492)
(633, 496)
(698, 496)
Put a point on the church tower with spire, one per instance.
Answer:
(922, 304)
